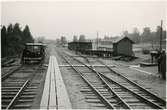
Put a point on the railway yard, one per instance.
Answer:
(66, 80)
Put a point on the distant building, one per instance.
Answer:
(80, 45)
(123, 46)
(119, 46)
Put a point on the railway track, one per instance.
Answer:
(18, 90)
(116, 91)
(6, 75)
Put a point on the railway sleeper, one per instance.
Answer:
(118, 106)
(7, 96)
(127, 97)
(22, 106)
(27, 97)
(13, 82)
(8, 93)
(93, 100)
(19, 87)
(91, 97)
(15, 90)
(94, 97)
(18, 106)
(11, 85)
(120, 90)
(20, 100)
(89, 92)
(122, 93)
(102, 90)
(98, 105)
(99, 101)
(22, 97)
(85, 90)
(98, 86)
(138, 104)
(140, 107)
(107, 94)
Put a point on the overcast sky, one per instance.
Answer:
(54, 19)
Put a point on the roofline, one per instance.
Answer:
(40, 44)
(124, 38)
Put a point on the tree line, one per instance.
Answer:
(13, 39)
(63, 40)
(147, 36)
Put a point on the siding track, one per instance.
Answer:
(17, 90)
(114, 91)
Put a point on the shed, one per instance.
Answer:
(123, 46)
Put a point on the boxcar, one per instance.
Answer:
(79, 46)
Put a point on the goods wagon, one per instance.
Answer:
(79, 46)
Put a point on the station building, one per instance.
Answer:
(118, 46)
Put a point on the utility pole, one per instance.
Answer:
(97, 40)
(161, 36)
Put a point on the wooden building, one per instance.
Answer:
(119, 46)
(123, 46)
(80, 46)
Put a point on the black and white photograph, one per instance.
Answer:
(83, 54)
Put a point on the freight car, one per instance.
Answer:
(33, 53)
(80, 46)
(88, 48)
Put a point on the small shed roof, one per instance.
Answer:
(79, 42)
(38, 44)
(121, 38)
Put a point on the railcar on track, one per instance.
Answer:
(33, 53)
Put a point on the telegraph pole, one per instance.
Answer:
(97, 40)
(161, 36)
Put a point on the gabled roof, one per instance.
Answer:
(121, 38)
(117, 39)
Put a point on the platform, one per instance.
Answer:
(54, 94)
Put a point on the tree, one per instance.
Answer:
(106, 37)
(58, 42)
(13, 39)
(27, 35)
(164, 34)
(16, 29)
(10, 29)
(3, 40)
(40, 40)
(146, 35)
(82, 38)
(136, 35)
(63, 40)
(125, 33)
(75, 38)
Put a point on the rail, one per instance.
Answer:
(104, 100)
(142, 98)
(22, 88)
